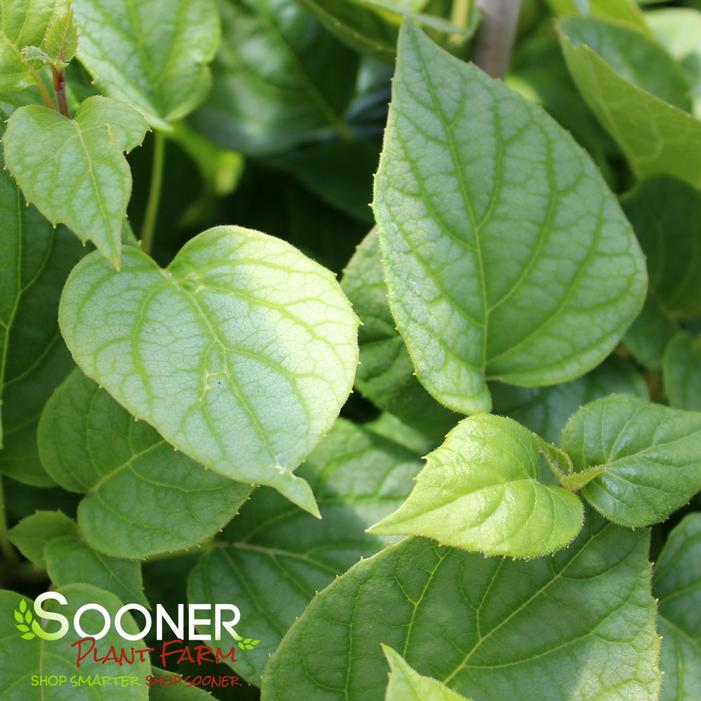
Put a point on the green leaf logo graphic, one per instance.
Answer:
(248, 643)
(24, 619)
(245, 643)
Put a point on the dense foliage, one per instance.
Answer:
(507, 506)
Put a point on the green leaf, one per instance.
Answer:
(577, 625)
(624, 11)
(405, 684)
(371, 26)
(154, 56)
(142, 497)
(677, 583)
(35, 263)
(651, 455)
(302, 87)
(682, 372)
(70, 561)
(488, 488)
(666, 216)
(545, 410)
(61, 38)
(21, 660)
(638, 59)
(493, 268)
(36, 23)
(32, 533)
(656, 137)
(280, 557)
(648, 336)
(385, 374)
(679, 31)
(87, 183)
(240, 354)
(359, 25)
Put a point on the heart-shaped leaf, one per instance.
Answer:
(358, 477)
(650, 455)
(682, 372)
(676, 582)
(405, 684)
(490, 628)
(489, 488)
(86, 183)
(152, 55)
(240, 354)
(492, 267)
(142, 497)
(656, 136)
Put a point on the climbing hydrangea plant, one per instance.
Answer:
(219, 217)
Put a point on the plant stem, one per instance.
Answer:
(43, 92)
(60, 90)
(495, 38)
(5, 545)
(148, 229)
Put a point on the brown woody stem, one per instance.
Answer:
(495, 39)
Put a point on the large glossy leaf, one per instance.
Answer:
(20, 659)
(577, 625)
(545, 410)
(153, 55)
(240, 354)
(656, 136)
(33, 532)
(86, 183)
(651, 455)
(407, 685)
(677, 583)
(141, 497)
(279, 77)
(70, 561)
(385, 375)
(682, 372)
(279, 557)
(666, 216)
(492, 267)
(24, 24)
(35, 262)
(489, 488)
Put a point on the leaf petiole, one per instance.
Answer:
(148, 228)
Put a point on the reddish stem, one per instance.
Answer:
(59, 78)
